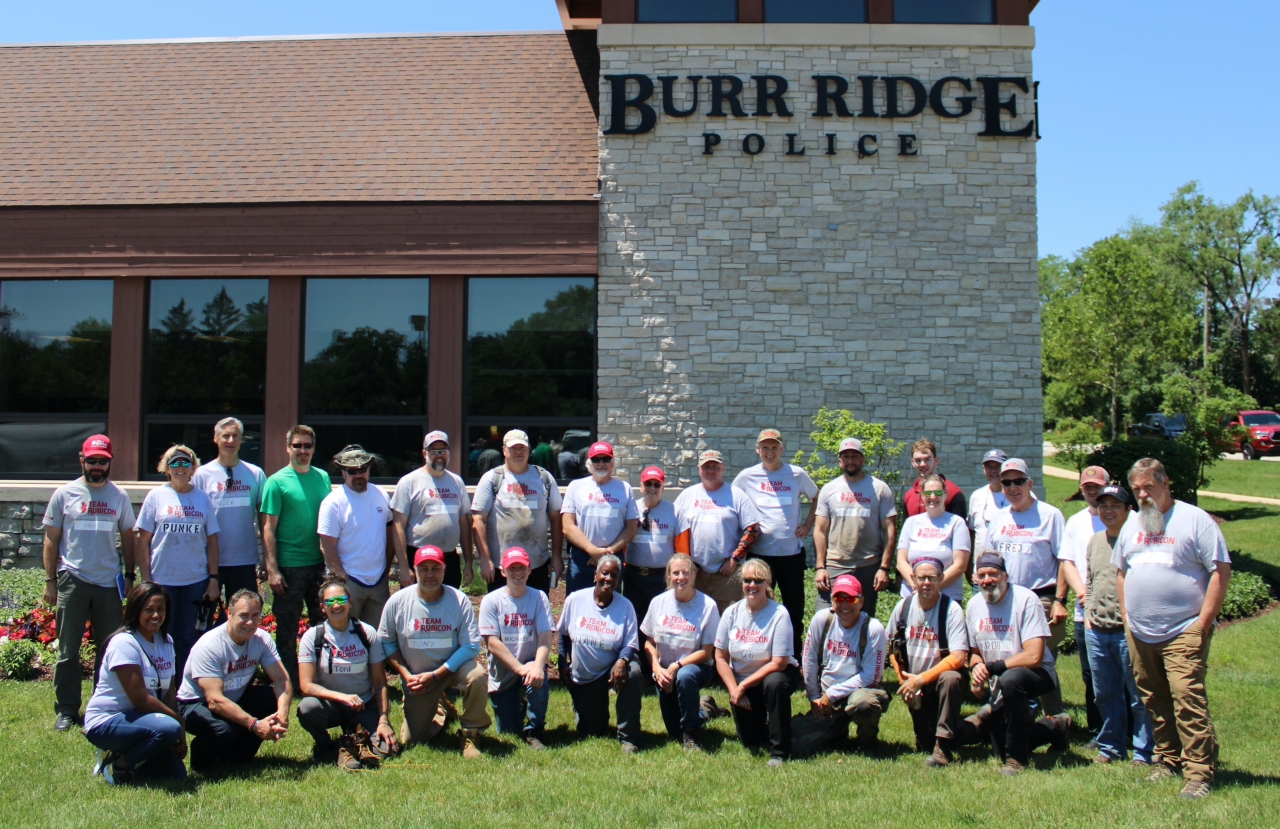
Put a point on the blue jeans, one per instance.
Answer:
(185, 600)
(511, 705)
(1112, 678)
(1094, 719)
(582, 573)
(144, 740)
(681, 708)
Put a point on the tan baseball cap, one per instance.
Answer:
(516, 437)
(769, 434)
(710, 455)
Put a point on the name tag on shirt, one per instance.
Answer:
(677, 640)
(430, 641)
(440, 509)
(1158, 558)
(514, 639)
(100, 525)
(235, 682)
(234, 501)
(853, 511)
(600, 511)
(782, 499)
(655, 538)
(1007, 547)
(341, 666)
(707, 517)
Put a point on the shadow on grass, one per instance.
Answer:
(1235, 778)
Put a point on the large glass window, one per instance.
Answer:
(531, 364)
(206, 360)
(944, 11)
(815, 11)
(365, 376)
(687, 11)
(55, 372)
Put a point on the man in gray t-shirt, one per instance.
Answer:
(431, 506)
(82, 568)
(235, 488)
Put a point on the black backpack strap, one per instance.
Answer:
(358, 629)
(944, 609)
(822, 643)
(865, 620)
(317, 644)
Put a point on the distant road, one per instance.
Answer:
(1056, 472)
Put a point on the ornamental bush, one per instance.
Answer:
(1179, 461)
(17, 658)
(1247, 594)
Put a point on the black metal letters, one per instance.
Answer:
(992, 105)
(621, 103)
(939, 89)
(826, 96)
(764, 96)
(719, 95)
(891, 87)
(668, 96)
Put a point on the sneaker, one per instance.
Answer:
(467, 742)
(939, 759)
(712, 708)
(533, 741)
(64, 722)
(1012, 768)
(117, 776)
(1102, 759)
(630, 748)
(102, 758)
(775, 762)
(689, 740)
(1160, 771)
(1061, 725)
(347, 754)
(363, 746)
(1195, 790)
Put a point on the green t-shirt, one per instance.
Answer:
(296, 500)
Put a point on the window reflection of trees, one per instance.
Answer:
(216, 364)
(368, 372)
(542, 366)
(54, 373)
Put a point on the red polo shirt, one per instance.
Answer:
(914, 499)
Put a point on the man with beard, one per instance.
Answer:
(1010, 663)
(599, 516)
(1174, 570)
(355, 533)
(515, 505)
(82, 569)
(430, 507)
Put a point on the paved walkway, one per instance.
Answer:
(1055, 472)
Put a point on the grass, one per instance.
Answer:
(1261, 478)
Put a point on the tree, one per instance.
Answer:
(1206, 401)
(834, 425)
(1118, 321)
(1231, 251)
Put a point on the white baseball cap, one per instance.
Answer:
(432, 437)
(851, 444)
(515, 437)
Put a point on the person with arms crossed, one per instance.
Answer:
(178, 548)
(924, 459)
(599, 517)
(855, 529)
(717, 526)
(226, 714)
(514, 506)
(518, 629)
(1079, 530)
(132, 718)
(937, 534)
(235, 488)
(343, 679)
(295, 564)
(431, 508)
(82, 569)
(429, 635)
(1174, 572)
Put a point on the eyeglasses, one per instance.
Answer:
(1015, 482)
(358, 470)
(653, 484)
(934, 493)
(644, 521)
(302, 447)
(180, 463)
(97, 461)
(437, 451)
(752, 581)
(927, 579)
(337, 601)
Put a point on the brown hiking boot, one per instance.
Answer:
(1061, 727)
(711, 708)
(347, 753)
(363, 749)
(1195, 790)
(939, 759)
(1012, 768)
(467, 742)
(869, 737)
(1160, 771)
(689, 740)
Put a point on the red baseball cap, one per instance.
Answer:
(600, 448)
(848, 585)
(515, 555)
(97, 446)
(428, 553)
(653, 473)
(1094, 475)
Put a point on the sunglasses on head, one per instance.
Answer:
(302, 447)
(180, 463)
(1015, 482)
(97, 461)
(337, 601)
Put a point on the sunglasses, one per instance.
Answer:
(844, 597)
(337, 601)
(231, 478)
(1015, 482)
(302, 447)
(358, 470)
(753, 581)
(180, 463)
(97, 461)
(601, 459)
(437, 451)
(645, 523)
(934, 493)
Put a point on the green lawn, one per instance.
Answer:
(1261, 478)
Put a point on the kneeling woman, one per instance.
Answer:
(133, 717)
(343, 679)
(680, 626)
(756, 661)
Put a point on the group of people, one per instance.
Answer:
(681, 592)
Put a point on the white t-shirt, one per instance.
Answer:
(1080, 529)
(940, 538)
(358, 520)
(983, 506)
(426, 635)
(602, 512)
(716, 520)
(89, 518)
(1166, 576)
(435, 508)
(217, 656)
(343, 664)
(776, 496)
(154, 659)
(517, 623)
(1031, 543)
(678, 629)
(844, 670)
(924, 642)
(655, 546)
(180, 524)
(753, 639)
(236, 501)
(520, 516)
(856, 512)
(599, 635)
(999, 630)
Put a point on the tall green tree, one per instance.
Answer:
(1114, 322)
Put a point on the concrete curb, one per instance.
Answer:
(1055, 472)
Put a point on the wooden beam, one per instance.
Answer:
(879, 11)
(125, 398)
(284, 367)
(617, 11)
(447, 340)
(1013, 13)
(750, 11)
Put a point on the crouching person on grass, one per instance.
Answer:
(430, 638)
(343, 678)
(1011, 665)
(843, 665)
(929, 646)
(228, 717)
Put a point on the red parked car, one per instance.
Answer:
(1264, 433)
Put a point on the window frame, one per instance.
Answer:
(866, 14)
(737, 16)
(995, 17)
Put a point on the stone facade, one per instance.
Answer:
(740, 291)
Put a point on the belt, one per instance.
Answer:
(1047, 592)
(647, 571)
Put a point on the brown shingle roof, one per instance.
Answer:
(493, 117)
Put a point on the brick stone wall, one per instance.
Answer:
(741, 291)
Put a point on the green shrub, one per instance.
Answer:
(17, 658)
(1179, 461)
(1247, 594)
(20, 590)
(834, 425)
(1075, 440)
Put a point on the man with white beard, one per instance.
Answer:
(600, 517)
(1174, 570)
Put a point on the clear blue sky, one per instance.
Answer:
(1137, 97)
